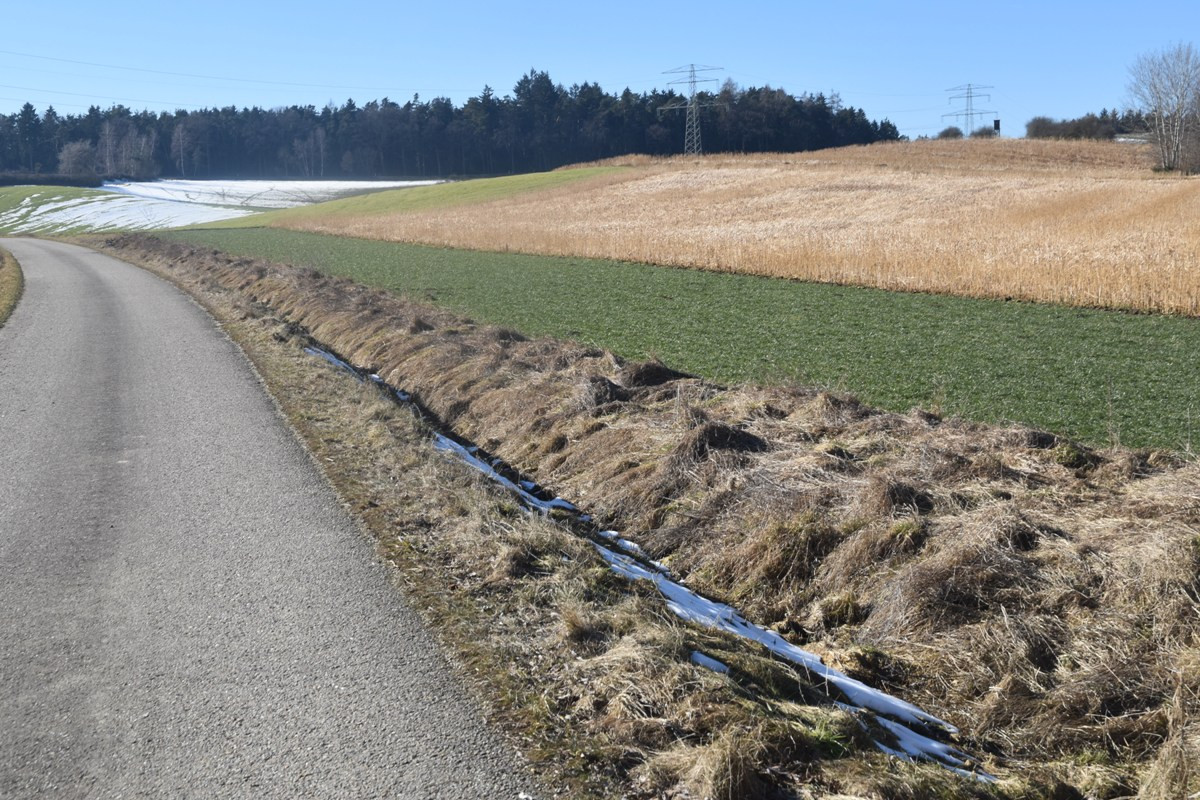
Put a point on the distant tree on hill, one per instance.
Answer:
(1166, 84)
(29, 128)
(1105, 125)
(984, 132)
(952, 132)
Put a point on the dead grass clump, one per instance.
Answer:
(841, 610)
(724, 770)
(597, 392)
(709, 437)
(1175, 772)
(647, 374)
(966, 574)
(769, 572)
(884, 497)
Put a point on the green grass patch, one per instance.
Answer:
(1099, 376)
(12, 282)
(420, 198)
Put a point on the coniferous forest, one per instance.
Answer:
(540, 125)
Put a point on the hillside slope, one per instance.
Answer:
(1082, 223)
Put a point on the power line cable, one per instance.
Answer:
(201, 77)
(94, 97)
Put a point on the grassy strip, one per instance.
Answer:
(422, 198)
(12, 283)
(1103, 377)
(592, 675)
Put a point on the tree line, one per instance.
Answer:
(1165, 86)
(540, 125)
(1108, 124)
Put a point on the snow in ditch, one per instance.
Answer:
(902, 721)
(151, 205)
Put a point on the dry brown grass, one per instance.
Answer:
(1070, 222)
(1042, 596)
(11, 284)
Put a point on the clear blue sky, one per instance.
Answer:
(893, 59)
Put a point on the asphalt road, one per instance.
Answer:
(185, 609)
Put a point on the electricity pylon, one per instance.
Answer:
(969, 92)
(691, 131)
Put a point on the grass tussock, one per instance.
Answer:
(1081, 223)
(11, 284)
(1041, 595)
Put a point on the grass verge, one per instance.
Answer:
(1100, 376)
(12, 282)
(1041, 595)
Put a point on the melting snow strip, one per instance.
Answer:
(901, 720)
(708, 662)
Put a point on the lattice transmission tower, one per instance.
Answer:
(691, 131)
(968, 92)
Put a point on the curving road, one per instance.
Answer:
(185, 609)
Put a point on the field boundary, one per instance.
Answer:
(1081, 373)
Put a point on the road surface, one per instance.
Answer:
(186, 609)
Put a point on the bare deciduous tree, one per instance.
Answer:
(1167, 85)
(77, 159)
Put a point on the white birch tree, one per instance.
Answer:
(1166, 85)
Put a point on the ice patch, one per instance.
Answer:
(708, 662)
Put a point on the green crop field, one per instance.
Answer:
(1095, 375)
(421, 198)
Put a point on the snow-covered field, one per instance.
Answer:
(170, 203)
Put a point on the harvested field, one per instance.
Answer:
(1042, 595)
(1078, 223)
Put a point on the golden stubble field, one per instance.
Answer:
(1086, 223)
